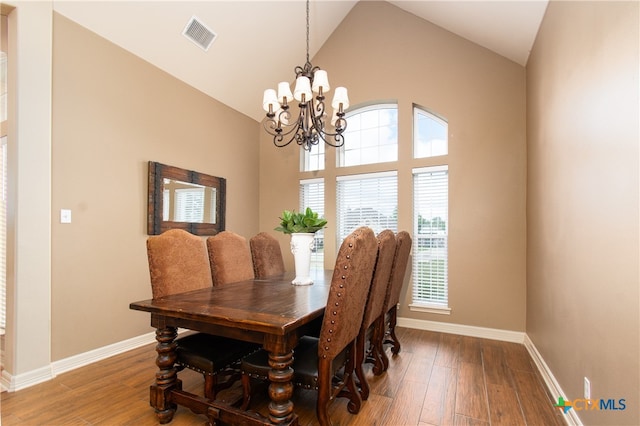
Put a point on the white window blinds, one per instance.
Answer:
(189, 205)
(431, 223)
(3, 234)
(367, 200)
(312, 195)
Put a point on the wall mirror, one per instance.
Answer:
(184, 199)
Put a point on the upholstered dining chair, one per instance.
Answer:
(230, 258)
(318, 359)
(178, 262)
(385, 331)
(266, 255)
(373, 308)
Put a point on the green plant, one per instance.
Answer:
(294, 222)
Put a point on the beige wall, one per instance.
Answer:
(383, 53)
(113, 112)
(582, 207)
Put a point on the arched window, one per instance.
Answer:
(371, 136)
(430, 134)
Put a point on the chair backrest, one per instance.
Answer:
(266, 255)
(380, 281)
(230, 258)
(349, 288)
(400, 261)
(178, 262)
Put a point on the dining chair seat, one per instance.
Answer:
(209, 354)
(305, 364)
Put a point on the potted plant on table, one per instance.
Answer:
(302, 228)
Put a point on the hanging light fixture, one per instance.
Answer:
(309, 128)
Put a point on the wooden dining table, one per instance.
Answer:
(271, 312)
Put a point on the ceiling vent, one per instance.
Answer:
(199, 33)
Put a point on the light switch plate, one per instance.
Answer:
(65, 216)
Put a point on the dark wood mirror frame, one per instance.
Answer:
(155, 223)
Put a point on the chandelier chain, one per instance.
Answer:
(308, 32)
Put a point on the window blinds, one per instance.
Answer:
(3, 234)
(367, 200)
(189, 205)
(431, 223)
(312, 195)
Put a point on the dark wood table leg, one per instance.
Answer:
(166, 376)
(280, 387)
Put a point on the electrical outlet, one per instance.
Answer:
(587, 389)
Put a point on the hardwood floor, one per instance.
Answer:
(437, 379)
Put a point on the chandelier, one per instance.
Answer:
(309, 128)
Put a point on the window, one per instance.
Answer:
(430, 134)
(3, 87)
(371, 136)
(3, 172)
(312, 195)
(3, 228)
(314, 159)
(430, 230)
(367, 200)
(368, 196)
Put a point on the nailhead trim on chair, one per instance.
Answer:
(208, 373)
(297, 384)
(229, 366)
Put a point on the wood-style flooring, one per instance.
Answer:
(437, 379)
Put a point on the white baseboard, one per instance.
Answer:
(86, 358)
(464, 330)
(17, 382)
(571, 417)
(13, 383)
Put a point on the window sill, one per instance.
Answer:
(431, 309)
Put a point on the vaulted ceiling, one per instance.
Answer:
(258, 43)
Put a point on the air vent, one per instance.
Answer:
(199, 33)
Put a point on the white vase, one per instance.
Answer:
(301, 245)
